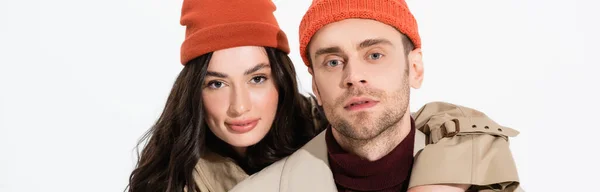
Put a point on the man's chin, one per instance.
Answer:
(361, 117)
(360, 133)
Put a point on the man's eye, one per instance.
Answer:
(333, 63)
(375, 56)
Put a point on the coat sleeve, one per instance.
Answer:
(464, 146)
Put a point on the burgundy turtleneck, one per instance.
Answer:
(390, 173)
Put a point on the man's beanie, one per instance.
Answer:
(391, 12)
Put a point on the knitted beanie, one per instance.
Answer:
(213, 25)
(391, 12)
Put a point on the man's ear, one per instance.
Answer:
(415, 68)
(314, 86)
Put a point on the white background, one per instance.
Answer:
(81, 81)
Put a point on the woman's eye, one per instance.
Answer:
(215, 84)
(258, 79)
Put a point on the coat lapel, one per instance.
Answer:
(308, 169)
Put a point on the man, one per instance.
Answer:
(364, 56)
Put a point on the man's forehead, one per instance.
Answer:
(351, 33)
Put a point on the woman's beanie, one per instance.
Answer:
(213, 25)
(322, 12)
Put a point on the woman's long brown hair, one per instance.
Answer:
(180, 136)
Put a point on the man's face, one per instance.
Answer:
(361, 76)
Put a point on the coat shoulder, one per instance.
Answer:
(477, 145)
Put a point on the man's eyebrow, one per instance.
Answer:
(328, 50)
(370, 42)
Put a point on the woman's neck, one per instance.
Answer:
(240, 151)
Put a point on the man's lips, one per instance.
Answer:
(359, 103)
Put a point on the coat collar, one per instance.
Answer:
(318, 146)
(214, 172)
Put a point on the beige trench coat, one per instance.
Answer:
(453, 144)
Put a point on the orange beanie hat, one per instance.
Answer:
(212, 25)
(391, 12)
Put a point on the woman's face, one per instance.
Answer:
(239, 95)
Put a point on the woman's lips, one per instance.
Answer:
(242, 126)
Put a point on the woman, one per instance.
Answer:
(235, 107)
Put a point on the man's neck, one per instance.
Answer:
(376, 148)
